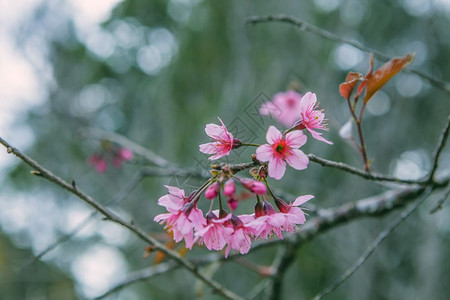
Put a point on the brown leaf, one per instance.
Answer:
(379, 78)
(346, 88)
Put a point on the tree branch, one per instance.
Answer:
(123, 193)
(380, 238)
(439, 147)
(116, 219)
(140, 276)
(361, 173)
(304, 26)
(280, 267)
(125, 142)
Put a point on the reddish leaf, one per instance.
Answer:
(369, 73)
(379, 78)
(346, 88)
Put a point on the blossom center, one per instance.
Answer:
(291, 102)
(281, 148)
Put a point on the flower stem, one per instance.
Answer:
(268, 188)
(201, 189)
(220, 203)
(257, 198)
(357, 120)
(250, 145)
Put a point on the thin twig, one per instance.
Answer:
(380, 238)
(125, 191)
(138, 276)
(117, 219)
(361, 173)
(280, 266)
(173, 171)
(125, 142)
(439, 147)
(304, 26)
(438, 205)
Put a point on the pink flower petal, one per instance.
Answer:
(302, 199)
(273, 135)
(297, 159)
(318, 136)
(208, 148)
(213, 130)
(264, 152)
(308, 101)
(296, 138)
(277, 167)
(173, 190)
(268, 108)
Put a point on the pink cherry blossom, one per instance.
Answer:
(98, 162)
(311, 117)
(240, 238)
(216, 233)
(281, 150)
(223, 141)
(284, 107)
(293, 214)
(183, 216)
(122, 155)
(254, 186)
(267, 221)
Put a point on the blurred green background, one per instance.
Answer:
(157, 72)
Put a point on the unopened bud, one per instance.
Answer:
(282, 206)
(212, 191)
(254, 186)
(268, 209)
(229, 188)
(259, 210)
(232, 202)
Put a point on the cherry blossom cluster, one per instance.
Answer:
(223, 226)
(116, 155)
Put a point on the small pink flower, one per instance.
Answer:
(98, 162)
(216, 233)
(293, 214)
(126, 154)
(281, 149)
(223, 141)
(240, 238)
(311, 117)
(267, 221)
(284, 107)
(122, 155)
(229, 188)
(183, 216)
(212, 191)
(254, 186)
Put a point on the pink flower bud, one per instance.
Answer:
(229, 188)
(212, 191)
(259, 210)
(126, 154)
(254, 186)
(236, 221)
(232, 201)
(282, 206)
(268, 209)
(98, 162)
